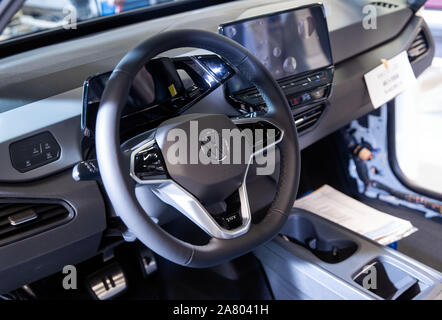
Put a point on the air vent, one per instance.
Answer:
(309, 118)
(418, 47)
(384, 4)
(23, 218)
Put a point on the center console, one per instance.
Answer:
(314, 258)
(294, 46)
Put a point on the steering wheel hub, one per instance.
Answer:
(192, 146)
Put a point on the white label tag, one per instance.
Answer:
(389, 79)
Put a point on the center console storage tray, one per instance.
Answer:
(320, 238)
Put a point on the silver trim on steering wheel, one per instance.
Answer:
(179, 198)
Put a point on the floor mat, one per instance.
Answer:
(240, 279)
(425, 245)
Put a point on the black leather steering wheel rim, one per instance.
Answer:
(114, 171)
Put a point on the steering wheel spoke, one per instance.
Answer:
(146, 164)
(230, 219)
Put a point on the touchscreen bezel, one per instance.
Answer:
(276, 13)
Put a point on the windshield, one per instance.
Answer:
(39, 15)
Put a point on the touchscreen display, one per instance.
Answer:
(287, 43)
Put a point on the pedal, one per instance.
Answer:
(107, 283)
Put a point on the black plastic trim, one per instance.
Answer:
(48, 37)
(392, 158)
(15, 146)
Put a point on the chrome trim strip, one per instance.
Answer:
(22, 217)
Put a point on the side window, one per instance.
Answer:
(418, 117)
(40, 15)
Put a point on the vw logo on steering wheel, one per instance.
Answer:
(214, 150)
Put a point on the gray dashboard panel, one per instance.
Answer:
(349, 99)
(348, 37)
(51, 70)
(53, 74)
(59, 115)
(35, 257)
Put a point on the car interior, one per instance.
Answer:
(100, 199)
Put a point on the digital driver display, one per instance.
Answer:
(287, 43)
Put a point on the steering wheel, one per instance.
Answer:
(188, 186)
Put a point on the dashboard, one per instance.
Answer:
(293, 44)
(49, 98)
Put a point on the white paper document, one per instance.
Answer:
(356, 216)
(389, 79)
